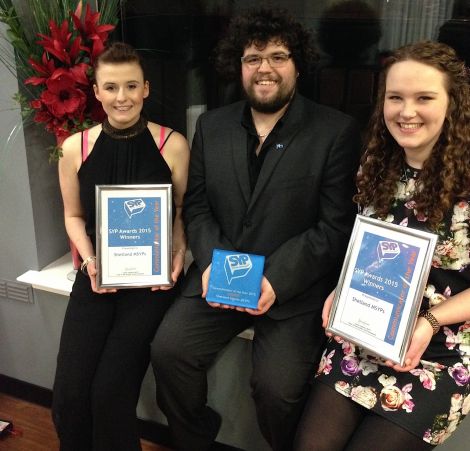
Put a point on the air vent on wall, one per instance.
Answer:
(16, 291)
(3, 289)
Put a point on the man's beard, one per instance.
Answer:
(270, 106)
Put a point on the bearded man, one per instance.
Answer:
(271, 175)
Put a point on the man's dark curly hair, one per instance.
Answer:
(258, 27)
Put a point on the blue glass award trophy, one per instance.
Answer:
(235, 278)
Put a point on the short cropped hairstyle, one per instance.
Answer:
(445, 176)
(258, 27)
(118, 53)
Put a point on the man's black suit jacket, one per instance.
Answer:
(300, 213)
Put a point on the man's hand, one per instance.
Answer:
(205, 286)
(266, 299)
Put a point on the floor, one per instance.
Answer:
(36, 431)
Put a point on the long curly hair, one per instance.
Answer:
(258, 27)
(445, 175)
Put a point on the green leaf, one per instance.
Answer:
(19, 42)
(55, 153)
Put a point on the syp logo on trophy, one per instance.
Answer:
(235, 278)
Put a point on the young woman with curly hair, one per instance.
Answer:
(415, 172)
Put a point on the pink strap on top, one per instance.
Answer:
(162, 139)
(84, 145)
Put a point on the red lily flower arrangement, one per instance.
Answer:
(66, 103)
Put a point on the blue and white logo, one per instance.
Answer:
(237, 266)
(134, 206)
(388, 250)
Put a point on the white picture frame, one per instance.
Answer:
(381, 285)
(133, 235)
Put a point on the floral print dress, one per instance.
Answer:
(431, 400)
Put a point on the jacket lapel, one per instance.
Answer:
(269, 164)
(289, 129)
(240, 160)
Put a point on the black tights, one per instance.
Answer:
(332, 422)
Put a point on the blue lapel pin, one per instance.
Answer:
(279, 146)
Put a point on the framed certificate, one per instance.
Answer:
(381, 285)
(133, 235)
